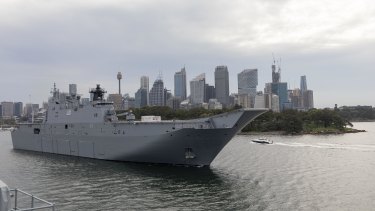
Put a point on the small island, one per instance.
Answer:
(314, 121)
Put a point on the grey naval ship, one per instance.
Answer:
(92, 130)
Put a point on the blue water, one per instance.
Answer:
(324, 172)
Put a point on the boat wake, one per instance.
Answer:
(362, 147)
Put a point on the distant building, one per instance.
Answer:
(303, 84)
(259, 101)
(174, 103)
(295, 97)
(288, 105)
(45, 105)
(141, 98)
(180, 84)
(7, 110)
(245, 101)
(308, 99)
(247, 84)
(117, 101)
(185, 104)
(73, 90)
(167, 96)
(1, 111)
(197, 89)
(157, 93)
(232, 99)
(28, 110)
(276, 74)
(267, 100)
(35, 107)
(301, 100)
(275, 104)
(268, 88)
(145, 85)
(281, 90)
(209, 93)
(214, 104)
(222, 85)
(271, 101)
(129, 102)
(18, 109)
(31, 110)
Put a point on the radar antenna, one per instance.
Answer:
(98, 93)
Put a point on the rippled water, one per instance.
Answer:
(334, 172)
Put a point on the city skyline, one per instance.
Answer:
(89, 43)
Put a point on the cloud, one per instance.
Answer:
(89, 41)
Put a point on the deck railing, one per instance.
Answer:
(42, 204)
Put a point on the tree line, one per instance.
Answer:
(292, 121)
(357, 113)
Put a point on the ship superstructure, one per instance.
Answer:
(93, 130)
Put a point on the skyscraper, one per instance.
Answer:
(259, 101)
(129, 102)
(28, 110)
(180, 84)
(141, 98)
(222, 85)
(248, 82)
(117, 101)
(197, 89)
(276, 74)
(209, 93)
(7, 109)
(296, 99)
(247, 85)
(18, 109)
(303, 84)
(308, 99)
(73, 90)
(304, 98)
(157, 93)
(281, 89)
(167, 96)
(277, 88)
(174, 103)
(145, 85)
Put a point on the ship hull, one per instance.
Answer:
(168, 143)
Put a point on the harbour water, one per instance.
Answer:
(324, 172)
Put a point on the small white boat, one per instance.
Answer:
(262, 141)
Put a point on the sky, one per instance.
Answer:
(87, 42)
